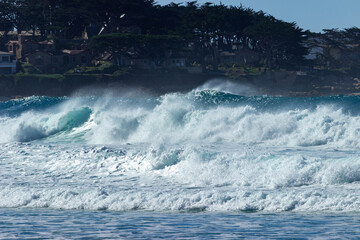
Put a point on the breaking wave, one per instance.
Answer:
(207, 150)
(199, 116)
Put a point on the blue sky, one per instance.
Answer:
(314, 15)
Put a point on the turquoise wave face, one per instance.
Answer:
(198, 116)
(74, 118)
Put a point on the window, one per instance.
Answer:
(5, 59)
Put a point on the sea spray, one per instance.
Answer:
(205, 150)
(226, 86)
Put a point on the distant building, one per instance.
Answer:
(7, 63)
(143, 63)
(324, 52)
(52, 62)
(15, 35)
(73, 58)
(26, 42)
(174, 62)
(45, 61)
(134, 59)
(227, 57)
(27, 46)
(12, 46)
(10, 35)
(240, 56)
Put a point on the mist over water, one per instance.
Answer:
(220, 147)
(226, 86)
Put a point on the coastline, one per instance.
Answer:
(277, 83)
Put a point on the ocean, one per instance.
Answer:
(218, 162)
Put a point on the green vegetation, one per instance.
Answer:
(200, 31)
(152, 47)
(27, 68)
(191, 31)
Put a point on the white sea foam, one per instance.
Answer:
(180, 152)
(178, 178)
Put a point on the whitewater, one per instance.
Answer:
(213, 150)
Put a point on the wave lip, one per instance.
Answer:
(226, 86)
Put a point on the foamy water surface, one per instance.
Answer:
(210, 150)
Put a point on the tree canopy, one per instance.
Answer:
(203, 29)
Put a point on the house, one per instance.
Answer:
(24, 47)
(9, 35)
(174, 62)
(52, 62)
(227, 57)
(143, 63)
(26, 35)
(345, 55)
(45, 61)
(73, 58)
(26, 43)
(7, 63)
(12, 46)
(15, 35)
(240, 56)
(327, 52)
(44, 54)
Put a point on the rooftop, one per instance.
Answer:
(5, 53)
(46, 42)
(72, 52)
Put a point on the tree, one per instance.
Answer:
(7, 20)
(7, 15)
(280, 43)
(154, 47)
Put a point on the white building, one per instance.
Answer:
(7, 63)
